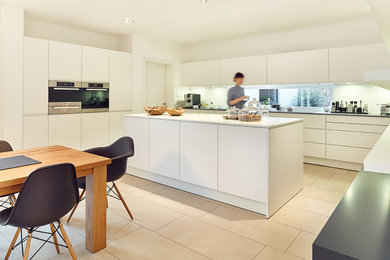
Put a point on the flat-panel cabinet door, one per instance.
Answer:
(298, 67)
(314, 150)
(35, 131)
(198, 154)
(95, 130)
(95, 64)
(64, 61)
(203, 73)
(164, 139)
(116, 125)
(121, 76)
(65, 130)
(242, 162)
(350, 63)
(36, 69)
(138, 129)
(254, 69)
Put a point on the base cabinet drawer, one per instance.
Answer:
(138, 129)
(198, 154)
(355, 139)
(164, 148)
(314, 150)
(348, 154)
(314, 135)
(378, 129)
(243, 173)
(309, 121)
(358, 120)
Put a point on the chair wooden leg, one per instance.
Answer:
(53, 231)
(75, 206)
(68, 244)
(14, 198)
(25, 256)
(123, 201)
(12, 244)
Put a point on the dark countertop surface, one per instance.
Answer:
(359, 228)
(299, 112)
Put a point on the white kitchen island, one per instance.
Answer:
(253, 165)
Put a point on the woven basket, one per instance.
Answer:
(175, 112)
(156, 110)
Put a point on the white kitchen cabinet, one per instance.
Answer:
(64, 61)
(35, 131)
(379, 129)
(346, 154)
(121, 76)
(65, 130)
(138, 129)
(164, 147)
(298, 67)
(242, 162)
(36, 69)
(369, 120)
(254, 69)
(116, 125)
(314, 135)
(198, 154)
(314, 150)
(355, 139)
(95, 130)
(349, 63)
(203, 73)
(309, 121)
(95, 64)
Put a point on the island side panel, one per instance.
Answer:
(242, 162)
(285, 164)
(138, 129)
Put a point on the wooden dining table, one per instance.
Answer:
(92, 166)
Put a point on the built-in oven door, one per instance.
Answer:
(64, 97)
(95, 97)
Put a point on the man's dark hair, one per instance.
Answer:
(238, 75)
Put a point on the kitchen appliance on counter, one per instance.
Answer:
(192, 100)
(64, 97)
(385, 109)
(95, 97)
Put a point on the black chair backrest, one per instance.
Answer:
(5, 146)
(119, 151)
(47, 195)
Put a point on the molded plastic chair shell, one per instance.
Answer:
(5, 146)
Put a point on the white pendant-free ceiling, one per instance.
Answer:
(189, 21)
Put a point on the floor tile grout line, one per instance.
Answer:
(293, 241)
(259, 252)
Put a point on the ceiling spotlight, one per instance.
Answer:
(127, 20)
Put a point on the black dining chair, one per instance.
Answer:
(4, 203)
(47, 195)
(119, 151)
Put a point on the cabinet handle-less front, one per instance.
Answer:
(66, 107)
(74, 89)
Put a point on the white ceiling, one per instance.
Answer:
(189, 21)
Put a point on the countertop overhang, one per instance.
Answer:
(378, 159)
(266, 122)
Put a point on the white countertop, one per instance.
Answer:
(266, 122)
(378, 159)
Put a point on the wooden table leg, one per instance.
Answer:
(95, 226)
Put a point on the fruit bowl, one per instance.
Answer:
(155, 110)
(176, 111)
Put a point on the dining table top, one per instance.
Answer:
(84, 162)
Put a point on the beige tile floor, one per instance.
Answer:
(172, 224)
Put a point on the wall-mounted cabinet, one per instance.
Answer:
(203, 73)
(95, 64)
(36, 69)
(349, 63)
(254, 69)
(64, 61)
(120, 81)
(298, 67)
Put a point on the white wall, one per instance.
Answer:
(11, 74)
(154, 50)
(56, 32)
(337, 35)
(369, 94)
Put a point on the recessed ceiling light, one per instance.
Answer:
(127, 20)
(203, 1)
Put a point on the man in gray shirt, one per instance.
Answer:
(236, 95)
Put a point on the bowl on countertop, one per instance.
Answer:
(175, 111)
(156, 110)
